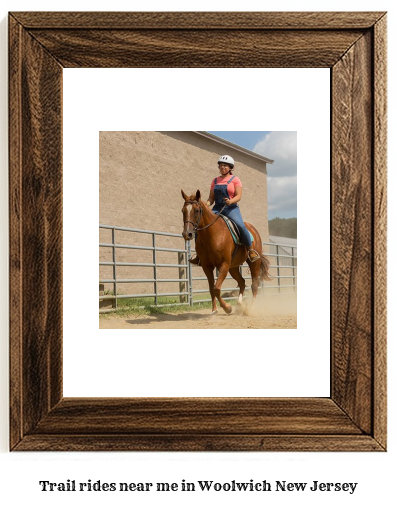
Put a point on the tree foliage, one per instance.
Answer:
(284, 227)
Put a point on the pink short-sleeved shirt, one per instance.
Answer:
(231, 188)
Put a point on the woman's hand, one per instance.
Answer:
(236, 198)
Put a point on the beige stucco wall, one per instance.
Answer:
(141, 175)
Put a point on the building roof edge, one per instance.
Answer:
(232, 145)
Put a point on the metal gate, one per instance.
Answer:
(283, 267)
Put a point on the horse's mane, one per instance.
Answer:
(193, 197)
(205, 208)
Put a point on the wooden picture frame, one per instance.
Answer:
(353, 46)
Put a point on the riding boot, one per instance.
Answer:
(253, 255)
(195, 260)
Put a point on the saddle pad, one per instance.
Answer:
(234, 230)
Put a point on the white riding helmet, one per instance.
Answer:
(226, 159)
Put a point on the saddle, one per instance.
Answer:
(234, 230)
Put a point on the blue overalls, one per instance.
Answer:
(232, 211)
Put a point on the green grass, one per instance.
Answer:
(146, 306)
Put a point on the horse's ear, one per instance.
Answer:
(198, 195)
(184, 195)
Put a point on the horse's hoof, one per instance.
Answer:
(228, 309)
(213, 313)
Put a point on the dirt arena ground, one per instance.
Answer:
(271, 312)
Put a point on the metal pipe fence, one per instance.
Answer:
(283, 260)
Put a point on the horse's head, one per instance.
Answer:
(192, 212)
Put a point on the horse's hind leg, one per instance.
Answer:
(235, 272)
(255, 274)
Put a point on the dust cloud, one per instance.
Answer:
(276, 311)
(272, 305)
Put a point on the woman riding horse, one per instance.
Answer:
(216, 249)
(226, 191)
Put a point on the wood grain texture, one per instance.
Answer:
(15, 232)
(196, 48)
(36, 230)
(199, 443)
(352, 259)
(353, 45)
(203, 20)
(380, 228)
(238, 416)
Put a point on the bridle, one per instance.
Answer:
(195, 224)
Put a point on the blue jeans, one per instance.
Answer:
(233, 212)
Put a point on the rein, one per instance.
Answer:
(195, 224)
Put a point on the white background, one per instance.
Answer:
(20, 473)
(259, 363)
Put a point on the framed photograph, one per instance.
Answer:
(142, 175)
(353, 46)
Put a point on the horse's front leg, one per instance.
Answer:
(209, 273)
(223, 271)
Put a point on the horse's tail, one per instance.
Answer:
(264, 272)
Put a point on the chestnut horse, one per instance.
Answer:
(216, 249)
